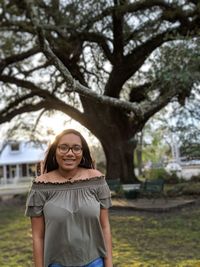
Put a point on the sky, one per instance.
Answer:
(54, 124)
(58, 122)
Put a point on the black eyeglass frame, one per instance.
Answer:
(68, 148)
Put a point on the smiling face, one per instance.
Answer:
(68, 160)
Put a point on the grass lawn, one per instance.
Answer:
(139, 239)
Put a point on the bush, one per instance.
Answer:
(119, 192)
(184, 189)
(192, 189)
(175, 191)
(172, 179)
(154, 174)
(195, 178)
(161, 173)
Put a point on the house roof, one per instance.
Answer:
(24, 152)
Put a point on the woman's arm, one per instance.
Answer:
(38, 229)
(104, 220)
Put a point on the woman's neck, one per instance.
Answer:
(68, 174)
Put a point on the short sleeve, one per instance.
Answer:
(104, 196)
(35, 202)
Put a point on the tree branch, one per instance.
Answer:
(16, 26)
(151, 107)
(50, 101)
(128, 8)
(100, 39)
(42, 66)
(118, 39)
(13, 105)
(13, 109)
(18, 57)
(27, 108)
(72, 84)
(26, 84)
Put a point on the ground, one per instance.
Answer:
(140, 238)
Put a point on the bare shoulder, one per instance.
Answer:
(94, 173)
(45, 177)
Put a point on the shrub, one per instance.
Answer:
(172, 178)
(192, 189)
(154, 174)
(161, 173)
(175, 191)
(119, 192)
(195, 178)
(186, 189)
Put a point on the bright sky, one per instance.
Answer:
(59, 122)
(53, 124)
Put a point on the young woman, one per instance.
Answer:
(68, 205)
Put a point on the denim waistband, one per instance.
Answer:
(96, 263)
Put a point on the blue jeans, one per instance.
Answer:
(96, 263)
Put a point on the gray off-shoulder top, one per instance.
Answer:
(73, 233)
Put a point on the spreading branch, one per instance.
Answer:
(72, 84)
(12, 109)
(17, 58)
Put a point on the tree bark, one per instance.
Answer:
(139, 153)
(119, 163)
(126, 46)
(119, 151)
(112, 129)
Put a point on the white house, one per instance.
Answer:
(184, 169)
(190, 168)
(19, 161)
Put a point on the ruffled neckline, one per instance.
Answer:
(70, 181)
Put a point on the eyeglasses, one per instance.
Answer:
(76, 149)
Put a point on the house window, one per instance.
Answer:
(1, 172)
(24, 170)
(14, 147)
(32, 169)
(7, 171)
(11, 171)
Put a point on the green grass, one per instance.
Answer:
(151, 240)
(139, 239)
(15, 237)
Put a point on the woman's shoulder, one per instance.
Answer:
(91, 173)
(44, 178)
(84, 174)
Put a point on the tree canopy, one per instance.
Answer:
(111, 65)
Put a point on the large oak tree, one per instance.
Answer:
(85, 58)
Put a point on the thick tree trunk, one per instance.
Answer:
(119, 151)
(116, 132)
(120, 162)
(139, 153)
